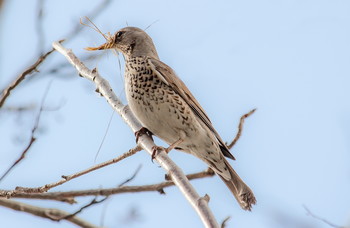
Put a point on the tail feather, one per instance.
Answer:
(243, 194)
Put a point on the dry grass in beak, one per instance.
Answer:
(109, 38)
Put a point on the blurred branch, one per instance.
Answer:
(72, 176)
(240, 128)
(39, 26)
(93, 202)
(33, 68)
(200, 204)
(224, 223)
(74, 32)
(69, 195)
(130, 178)
(321, 219)
(32, 137)
(48, 213)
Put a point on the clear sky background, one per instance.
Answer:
(289, 59)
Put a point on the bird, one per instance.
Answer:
(166, 108)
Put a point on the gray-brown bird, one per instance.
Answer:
(165, 106)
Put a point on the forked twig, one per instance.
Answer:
(240, 128)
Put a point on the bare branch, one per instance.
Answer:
(75, 175)
(132, 177)
(93, 202)
(39, 26)
(32, 137)
(144, 141)
(240, 128)
(33, 68)
(321, 219)
(48, 213)
(223, 224)
(69, 196)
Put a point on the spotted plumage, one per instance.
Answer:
(165, 106)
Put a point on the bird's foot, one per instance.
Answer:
(156, 149)
(142, 131)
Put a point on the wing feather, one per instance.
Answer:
(168, 76)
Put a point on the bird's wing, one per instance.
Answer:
(168, 76)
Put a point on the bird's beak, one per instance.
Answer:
(107, 45)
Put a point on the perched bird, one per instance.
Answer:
(165, 106)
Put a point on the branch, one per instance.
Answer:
(240, 128)
(48, 213)
(198, 203)
(46, 187)
(73, 33)
(33, 68)
(68, 197)
(32, 137)
(321, 219)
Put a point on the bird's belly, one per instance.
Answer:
(164, 113)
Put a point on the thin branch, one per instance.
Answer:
(46, 187)
(33, 68)
(69, 196)
(321, 219)
(73, 33)
(224, 223)
(146, 142)
(93, 202)
(240, 128)
(48, 213)
(39, 26)
(32, 137)
(132, 177)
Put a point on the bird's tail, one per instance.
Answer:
(243, 194)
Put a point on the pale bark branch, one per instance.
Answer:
(145, 141)
(48, 213)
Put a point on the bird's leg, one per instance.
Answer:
(167, 150)
(142, 131)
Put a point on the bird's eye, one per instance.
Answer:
(119, 34)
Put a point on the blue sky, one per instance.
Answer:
(288, 59)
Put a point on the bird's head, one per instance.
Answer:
(131, 42)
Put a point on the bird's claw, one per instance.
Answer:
(141, 132)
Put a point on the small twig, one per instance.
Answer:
(69, 196)
(224, 223)
(33, 68)
(39, 26)
(240, 128)
(32, 137)
(75, 175)
(47, 213)
(132, 177)
(321, 219)
(93, 202)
